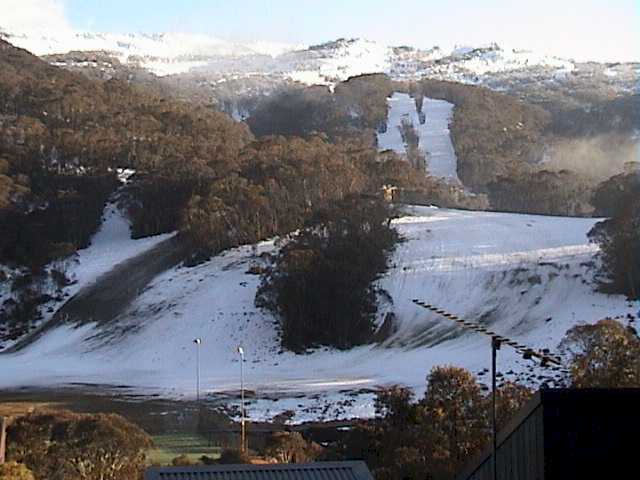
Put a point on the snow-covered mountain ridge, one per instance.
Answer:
(163, 54)
(173, 53)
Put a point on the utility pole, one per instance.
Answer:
(197, 341)
(495, 346)
(243, 431)
(496, 341)
(3, 439)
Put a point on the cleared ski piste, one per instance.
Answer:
(528, 277)
(435, 138)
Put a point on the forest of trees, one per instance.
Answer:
(61, 137)
(545, 192)
(222, 183)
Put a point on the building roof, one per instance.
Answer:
(300, 471)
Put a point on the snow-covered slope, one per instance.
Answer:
(529, 277)
(435, 138)
(110, 246)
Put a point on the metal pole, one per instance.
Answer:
(495, 345)
(242, 410)
(3, 439)
(198, 373)
(198, 341)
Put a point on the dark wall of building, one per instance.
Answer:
(520, 452)
(592, 434)
(569, 434)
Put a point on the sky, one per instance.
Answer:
(580, 29)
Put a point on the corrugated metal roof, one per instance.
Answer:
(308, 471)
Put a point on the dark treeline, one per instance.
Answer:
(612, 116)
(619, 236)
(358, 104)
(619, 240)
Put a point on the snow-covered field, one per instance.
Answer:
(529, 277)
(435, 138)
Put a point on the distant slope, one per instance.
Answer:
(434, 136)
(526, 276)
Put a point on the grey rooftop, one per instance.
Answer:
(301, 471)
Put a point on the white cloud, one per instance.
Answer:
(33, 15)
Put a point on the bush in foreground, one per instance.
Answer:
(64, 445)
(15, 471)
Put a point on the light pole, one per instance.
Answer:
(243, 431)
(496, 341)
(197, 341)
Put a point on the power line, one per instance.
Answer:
(543, 355)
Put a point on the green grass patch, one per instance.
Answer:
(169, 446)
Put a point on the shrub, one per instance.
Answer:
(291, 447)
(181, 461)
(64, 445)
(603, 355)
(15, 471)
(232, 455)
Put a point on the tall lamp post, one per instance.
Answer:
(243, 431)
(197, 341)
(496, 342)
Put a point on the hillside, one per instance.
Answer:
(528, 277)
(124, 312)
